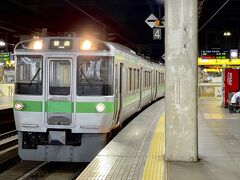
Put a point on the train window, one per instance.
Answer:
(138, 79)
(162, 78)
(29, 75)
(144, 79)
(60, 77)
(159, 78)
(94, 76)
(149, 79)
(130, 79)
(133, 79)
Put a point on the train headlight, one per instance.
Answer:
(86, 45)
(37, 44)
(100, 107)
(19, 106)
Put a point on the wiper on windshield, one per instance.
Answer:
(30, 83)
(85, 77)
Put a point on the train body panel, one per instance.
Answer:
(68, 99)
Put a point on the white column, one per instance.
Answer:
(181, 24)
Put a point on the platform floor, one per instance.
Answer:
(219, 146)
(126, 155)
(6, 102)
(137, 151)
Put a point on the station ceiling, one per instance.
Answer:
(115, 20)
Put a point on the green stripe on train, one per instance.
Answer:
(59, 106)
(65, 106)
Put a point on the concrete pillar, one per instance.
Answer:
(181, 24)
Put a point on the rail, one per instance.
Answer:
(8, 134)
(32, 172)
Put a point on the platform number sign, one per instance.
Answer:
(157, 34)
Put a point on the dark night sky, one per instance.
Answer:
(115, 20)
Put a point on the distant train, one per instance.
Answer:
(70, 93)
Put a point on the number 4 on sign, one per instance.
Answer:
(157, 35)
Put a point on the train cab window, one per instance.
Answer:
(60, 77)
(94, 76)
(29, 75)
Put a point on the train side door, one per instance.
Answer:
(118, 89)
(59, 106)
(140, 87)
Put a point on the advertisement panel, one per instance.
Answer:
(230, 83)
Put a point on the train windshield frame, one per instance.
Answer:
(29, 75)
(94, 75)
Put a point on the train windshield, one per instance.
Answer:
(29, 75)
(94, 76)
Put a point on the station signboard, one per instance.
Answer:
(215, 54)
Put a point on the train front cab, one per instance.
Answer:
(63, 105)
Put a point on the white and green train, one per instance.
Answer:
(70, 93)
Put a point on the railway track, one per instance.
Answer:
(8, 150)
(54, 170)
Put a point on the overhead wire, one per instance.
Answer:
(213, 15)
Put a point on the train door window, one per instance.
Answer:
(59, 77)
(146, 79)
(130, 79)
(94, 76)
(150, 79)
(138, 78)
(144, 74)
(156, 74)
(161, 78)
(127, 79)
(29, 75)
(146, 85)
(134, 80)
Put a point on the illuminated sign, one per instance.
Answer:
(215, 54)
(212, 62)
(60, 44)
(234, 53)
(4, 56)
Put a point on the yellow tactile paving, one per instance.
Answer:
(220, 116)
(154, 166)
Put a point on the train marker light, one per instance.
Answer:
(2, 43)
(37, 44)
(86, 45)
(19, 106)
(100, 107)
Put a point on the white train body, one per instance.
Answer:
(68, 97)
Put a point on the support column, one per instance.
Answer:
(181, 24)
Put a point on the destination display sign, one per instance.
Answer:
(61, 44)
(215, 54)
